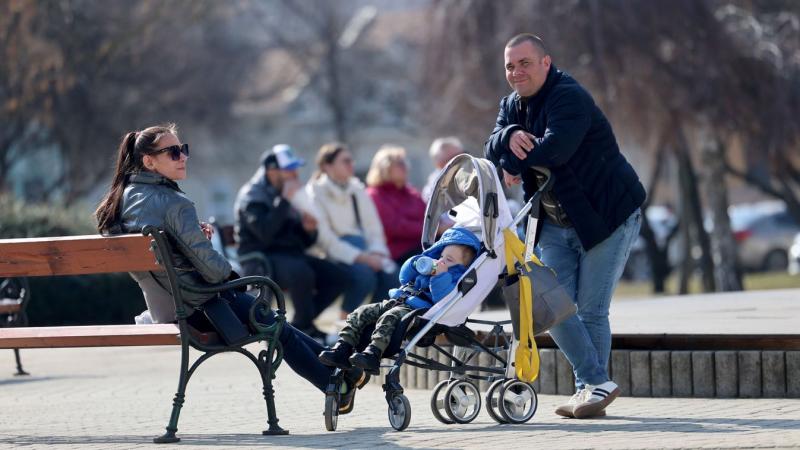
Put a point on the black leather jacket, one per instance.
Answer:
(151, 199)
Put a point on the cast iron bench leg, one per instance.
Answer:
(170, 437)
(267, 374)
(20, 371)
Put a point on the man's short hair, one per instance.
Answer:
(528, 37)
(439, 143)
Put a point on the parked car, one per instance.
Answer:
(764, 231)
(794, 256)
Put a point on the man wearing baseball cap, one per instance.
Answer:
(273, 237)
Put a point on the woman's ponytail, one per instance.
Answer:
(107, 212)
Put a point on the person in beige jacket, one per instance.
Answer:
(350, 230)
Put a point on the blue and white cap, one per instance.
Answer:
(281, 157)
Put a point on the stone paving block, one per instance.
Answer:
(621, 368)
(565, 379)
(640, 373)
(432, 375)
(773, 374)
(703, 374)
(726, 374)
(446, 360)
(484, 360)
(681, 373)
(422, 374)
(660, 373)
(793, 374)
(404, 376)
(547, 370)
(750, 374)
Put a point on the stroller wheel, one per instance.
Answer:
(399, 412)
(437, 403)
(492, 401)
(331, 411)
(462, 401)
(517, 401)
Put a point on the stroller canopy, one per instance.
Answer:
(471, 188)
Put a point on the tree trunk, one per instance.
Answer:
(656, 254)
(692, 217)
(723, 246)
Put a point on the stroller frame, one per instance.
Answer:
(508, 399)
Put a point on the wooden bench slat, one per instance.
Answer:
(8, 308)
(90, 336)
(76, 255)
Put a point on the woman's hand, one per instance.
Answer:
(208, 230)
(373, 260)
(308, 221)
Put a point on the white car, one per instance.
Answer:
(794, 256)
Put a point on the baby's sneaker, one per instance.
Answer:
(599, 397)
(369, 360)
(337, 356)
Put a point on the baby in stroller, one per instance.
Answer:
(424, 282)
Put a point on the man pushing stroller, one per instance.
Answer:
(425, 279)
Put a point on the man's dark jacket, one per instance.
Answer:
(596, 186)
(267, 222)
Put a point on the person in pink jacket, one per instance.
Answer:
(400, 206)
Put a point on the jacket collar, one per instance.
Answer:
(537, 99)
(326, 183)
(147, 177)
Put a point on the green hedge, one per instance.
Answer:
(69, 300)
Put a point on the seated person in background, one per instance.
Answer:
(422, 288)
(399, 205)
(442, 151)
(350, 230)
(274, 234)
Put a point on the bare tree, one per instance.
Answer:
(110, 67)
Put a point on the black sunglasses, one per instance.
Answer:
(174, 151)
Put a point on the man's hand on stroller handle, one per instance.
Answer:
(511, 180)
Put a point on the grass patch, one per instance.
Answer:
(752, 282)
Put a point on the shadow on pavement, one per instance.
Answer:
(33, 379)
(359, 438)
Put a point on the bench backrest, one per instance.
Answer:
(76, 255)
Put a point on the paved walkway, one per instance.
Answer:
(120, 398)
(747, 312)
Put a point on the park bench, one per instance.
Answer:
(14, 297)
(95, 254)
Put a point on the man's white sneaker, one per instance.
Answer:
(595, 403)
(566, 410)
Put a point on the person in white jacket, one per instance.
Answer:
(350, 230)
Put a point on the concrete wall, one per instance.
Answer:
(721, 374)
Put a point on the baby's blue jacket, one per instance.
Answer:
(434, 288)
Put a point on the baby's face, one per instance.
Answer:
(451, 255)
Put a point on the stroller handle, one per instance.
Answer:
(537, 196)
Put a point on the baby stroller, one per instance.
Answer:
(469, 190)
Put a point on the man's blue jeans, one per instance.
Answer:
(590, 278)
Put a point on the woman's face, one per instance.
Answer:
(162, 163)
(398, 172)
(341, 168)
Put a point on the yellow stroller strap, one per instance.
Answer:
(526, 360)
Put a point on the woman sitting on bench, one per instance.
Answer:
(144, 192)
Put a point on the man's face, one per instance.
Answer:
(447, 153)
(277, 177)
(526, 68)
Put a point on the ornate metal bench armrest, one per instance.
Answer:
(264, 284)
